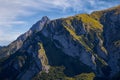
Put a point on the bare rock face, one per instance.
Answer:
(81, 43)
(111, 35)
(15, 45)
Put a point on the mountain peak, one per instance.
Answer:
(35, 28)
(39, 25)
(45, 18)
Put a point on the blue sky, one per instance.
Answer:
(17, 16)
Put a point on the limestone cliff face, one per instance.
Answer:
(82, 43)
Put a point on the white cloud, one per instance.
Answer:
(12, 10)
(7, 37)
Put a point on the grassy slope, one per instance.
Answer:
(56, 73)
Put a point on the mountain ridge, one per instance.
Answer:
(78, 41)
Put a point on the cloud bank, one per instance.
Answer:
(15, 14)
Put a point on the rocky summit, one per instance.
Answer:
(80, 47)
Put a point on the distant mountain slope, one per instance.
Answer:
(81, 45)
(0, 46)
